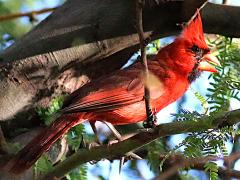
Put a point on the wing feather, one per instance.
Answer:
(123, 88)
(106, 100)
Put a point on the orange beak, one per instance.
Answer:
(207, 63)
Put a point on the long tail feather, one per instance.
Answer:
(26, 157)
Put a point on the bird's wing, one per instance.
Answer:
(113, 94)
(123, 88)
(104, 101)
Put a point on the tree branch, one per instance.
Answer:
(178, 161)
(139, 140)
(30, 14)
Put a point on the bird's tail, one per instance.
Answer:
(26, 157)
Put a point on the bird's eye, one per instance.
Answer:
(195, 49)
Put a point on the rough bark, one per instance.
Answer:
(64, 47)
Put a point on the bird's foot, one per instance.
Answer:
(112, 141)
(126, 157)
(151, 121)
(119, 138)
(92, 145)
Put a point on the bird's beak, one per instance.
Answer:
(207, 62)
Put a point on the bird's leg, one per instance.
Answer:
(115, 133)
(97, 142)
(129, 155)
(113, 130)
(151, 121)
(95, 132)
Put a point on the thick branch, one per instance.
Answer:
(141, 139)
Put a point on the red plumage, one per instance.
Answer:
(118, 98)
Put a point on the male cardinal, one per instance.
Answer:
(119, 98)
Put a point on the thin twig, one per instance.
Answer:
(142, 39)
(199, 9)
(30, 14)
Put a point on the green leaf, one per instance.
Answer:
(43, 164)
(75, 136)
(79, 173)
(48, 114)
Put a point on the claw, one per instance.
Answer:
(151, 121)
(133, 156)
(129, 155)
(83, 143)
(92, 145)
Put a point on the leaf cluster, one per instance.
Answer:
(226, 83)
(47, 114)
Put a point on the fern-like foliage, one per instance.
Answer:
(226, 84)
(205, 143)
(155, 149)
(43, 165)
(47, 114)
(212, 168)
(79, 173)
(75, 136)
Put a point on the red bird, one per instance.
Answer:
(118, 98)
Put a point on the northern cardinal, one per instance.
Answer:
(118, 98)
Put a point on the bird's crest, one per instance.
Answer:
(193, 31)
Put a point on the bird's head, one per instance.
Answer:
(191, 53)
